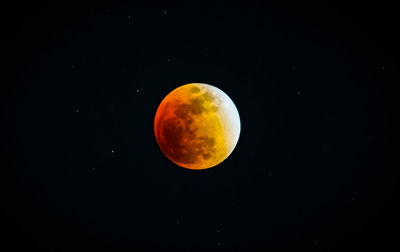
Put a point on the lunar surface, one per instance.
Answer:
(197, 126)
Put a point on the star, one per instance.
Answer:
(137, 90)
(298, 92)
(112, 151)
(77, 110)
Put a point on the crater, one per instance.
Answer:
(208, 141)
(207, 96)
(214, 108)
(182, 110)
(195, 90)
(196, 105)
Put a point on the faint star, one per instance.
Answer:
(165, 12)
(73, 67)
(219, 243)
(218, 231)
(298, 92)
(77, 110)
(316, 242)
(169, 59)
(383, 67)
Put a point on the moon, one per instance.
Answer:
(197, 126)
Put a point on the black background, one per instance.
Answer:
(313, 166)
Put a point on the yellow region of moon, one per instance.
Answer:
(197, 126)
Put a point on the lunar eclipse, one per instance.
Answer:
(112, 140)
(197, 126)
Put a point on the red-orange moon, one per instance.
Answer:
(197, 126)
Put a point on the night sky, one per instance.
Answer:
(313, 168)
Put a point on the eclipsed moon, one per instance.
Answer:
(197, 126)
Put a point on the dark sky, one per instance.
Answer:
(313, 166)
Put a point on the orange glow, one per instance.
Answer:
(196, 126)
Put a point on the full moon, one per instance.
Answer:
(197, 126)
